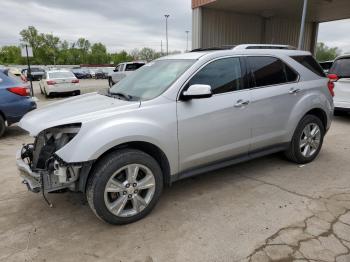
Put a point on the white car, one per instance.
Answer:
(122, 70)
(339, 74)
(59, 81)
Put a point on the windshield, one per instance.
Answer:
(152, 79)
(341, 67)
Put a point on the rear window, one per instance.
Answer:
(133, 67)
(309, 62)
(267, 71)
(61, 75)
(341, 67)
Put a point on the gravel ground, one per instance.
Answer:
(264, 210)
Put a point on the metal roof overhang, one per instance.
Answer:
(317, 11)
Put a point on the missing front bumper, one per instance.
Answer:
(30, 178)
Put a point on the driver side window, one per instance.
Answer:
(223, 75)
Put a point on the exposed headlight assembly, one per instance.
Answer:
(51, 140)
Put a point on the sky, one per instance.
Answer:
(121, 24)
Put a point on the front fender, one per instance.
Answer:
(94, 139)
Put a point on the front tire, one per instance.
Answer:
(2, 126)
(307, 140)
(125, 186)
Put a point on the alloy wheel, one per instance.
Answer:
(310, 140)
(129, 190)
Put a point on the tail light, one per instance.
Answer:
(51, 82)
(332, 79)
(75, 81)
(21, 91)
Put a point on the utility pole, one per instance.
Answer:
(161, 47)
(187, 40)
(166, 32)
(302, 27)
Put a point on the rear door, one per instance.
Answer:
(275, 91)
(341, 68)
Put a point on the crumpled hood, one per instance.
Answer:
(78, 109)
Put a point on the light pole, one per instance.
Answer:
(166, 32)
(187, 40)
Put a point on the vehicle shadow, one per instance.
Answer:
(13, 132)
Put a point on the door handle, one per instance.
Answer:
(241, 103)
(294, 91)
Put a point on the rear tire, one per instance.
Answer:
(2, 126)
(110, 82)
(125, 186)
(307, 140)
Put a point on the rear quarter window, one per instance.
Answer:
(267, 71)
(309, 62)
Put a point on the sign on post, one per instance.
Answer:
(27, 52)
(24, 51)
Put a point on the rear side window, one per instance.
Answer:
(341, 67)
(267, 71)
(223, 75)
(133, 67)
(309, 62)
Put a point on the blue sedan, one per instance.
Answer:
(15, 101)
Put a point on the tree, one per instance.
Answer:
(148, 54)
(325, 53)
(123, 56)
(98, 54)
(11, 55)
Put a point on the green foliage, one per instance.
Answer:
(11, 55)
(325, 53)
(49, 49)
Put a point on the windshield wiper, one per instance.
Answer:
(120, 94)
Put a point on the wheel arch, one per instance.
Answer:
(321, 114)
(145, 147)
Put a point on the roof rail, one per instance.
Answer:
(212, 49)
(263, 46)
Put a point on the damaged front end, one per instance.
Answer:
(42, 170)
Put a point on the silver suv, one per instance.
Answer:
(174, 118)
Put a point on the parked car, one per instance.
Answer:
(81, 73)
(58, 82)
(15, 71)
(339, 74)
(36, 73)
(122, 70)
(174, 118)
(100, 74)
(15, 101)
(326, 65)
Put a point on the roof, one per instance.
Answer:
(318, 10)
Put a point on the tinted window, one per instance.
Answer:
(133, 67)
(309, 62)
(268, 71)
(341, 67)
(222, 75)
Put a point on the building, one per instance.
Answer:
(218, 23)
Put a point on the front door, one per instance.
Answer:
(215, 128)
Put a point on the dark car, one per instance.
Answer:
(35, 75)
(81, 73)
(15, 101)
(100, 74)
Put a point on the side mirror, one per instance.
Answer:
(115, 70)
(197, 91)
